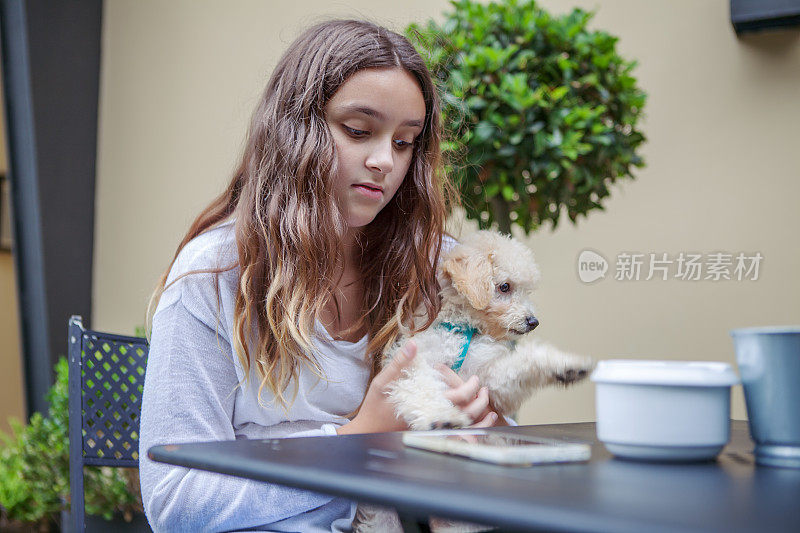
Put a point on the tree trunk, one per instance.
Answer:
(501, 214)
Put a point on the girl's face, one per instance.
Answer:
(374, 118)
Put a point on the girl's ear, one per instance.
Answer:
(470, 272)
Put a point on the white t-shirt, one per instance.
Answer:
(191, 395)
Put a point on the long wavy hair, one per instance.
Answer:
(289, 227)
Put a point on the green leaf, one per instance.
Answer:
(558, 93)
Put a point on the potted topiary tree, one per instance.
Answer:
(34, 475)
(542, 111)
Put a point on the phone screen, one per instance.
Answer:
(497, 447)
(493, 439)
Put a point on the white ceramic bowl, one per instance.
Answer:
(663, 410)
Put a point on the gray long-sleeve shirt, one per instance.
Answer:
(191, 395)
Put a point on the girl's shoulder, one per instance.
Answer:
(213, 250)
(203, 277)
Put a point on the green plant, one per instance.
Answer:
(542, 110)
(34, 468)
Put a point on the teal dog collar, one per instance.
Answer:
(465, 330)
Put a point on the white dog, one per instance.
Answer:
(487, 282)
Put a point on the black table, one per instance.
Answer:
(605, 494)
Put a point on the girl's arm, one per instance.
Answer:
(376, 413)
(189, 397)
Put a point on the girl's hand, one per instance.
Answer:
(470, 398)
(376, 414)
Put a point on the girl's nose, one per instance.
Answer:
(381, 158)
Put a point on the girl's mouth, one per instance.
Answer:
(374, 193)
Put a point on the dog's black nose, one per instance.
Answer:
(532, 322)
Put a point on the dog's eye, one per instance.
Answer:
(504, 287)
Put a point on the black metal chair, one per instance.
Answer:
(106, 378)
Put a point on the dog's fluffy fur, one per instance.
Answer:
(474, 276)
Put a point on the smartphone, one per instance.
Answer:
(497, 447)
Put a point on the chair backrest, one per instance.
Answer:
(106, 379)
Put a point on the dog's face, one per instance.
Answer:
(492, 277)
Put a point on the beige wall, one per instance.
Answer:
(12, 401)
(180, 79)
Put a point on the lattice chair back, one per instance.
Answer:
(106, 378)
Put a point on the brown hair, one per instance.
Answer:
(288, 226)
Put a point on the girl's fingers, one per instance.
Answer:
(473, 401)
(399, 362)
(478, 407)
(450, 378)
(464, 393)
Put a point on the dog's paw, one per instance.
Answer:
(449, 424)
(448, 418)
(375, 519)
(571, 376)
(576, 369)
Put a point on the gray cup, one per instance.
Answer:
(769, 365)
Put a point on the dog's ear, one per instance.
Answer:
(470, 272)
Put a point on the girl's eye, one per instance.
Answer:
(354, 132)
(504, 287)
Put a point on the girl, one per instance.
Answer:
(285, 291)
